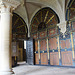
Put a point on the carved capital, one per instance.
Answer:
(62, 26)
(12, 3)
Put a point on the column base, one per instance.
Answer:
(7, 73)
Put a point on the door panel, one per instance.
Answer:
(66, 58)
(43, 45)
(53, 43)
(44, 59)
(65, 44)
(36, 58)
(54, 58)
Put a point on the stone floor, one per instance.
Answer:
(25, 69)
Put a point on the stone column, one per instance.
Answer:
(6, 35)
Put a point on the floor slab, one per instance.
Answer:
(25, 69)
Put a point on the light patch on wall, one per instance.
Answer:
(24, 44)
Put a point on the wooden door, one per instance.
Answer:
(54, 55)
(66, 49)
(43, 51)
(54, 58)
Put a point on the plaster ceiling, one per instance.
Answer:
(28, 8)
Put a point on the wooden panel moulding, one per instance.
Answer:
(53, 43)
(74, 55)
(36, 58)
(48, 48)
(72, 13)
(73, 37)
(54, 58)
(70, 26)
(52, 32)
(35, 36)
(58, 46)
(42, 34)
(34, 29)
(44, 59)
(73, 43)
(39, 48)
(65, 44)
(73, 25)
(58, 43)
(68, 43)
(35, 21)
(43, 45)
(53, 21)
(62, 44)
(72, 9)
(36, 45)
(66, 58)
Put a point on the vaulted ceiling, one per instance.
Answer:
(28, 8)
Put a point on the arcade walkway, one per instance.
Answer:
(24, 69)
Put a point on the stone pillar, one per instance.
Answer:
(6, 35)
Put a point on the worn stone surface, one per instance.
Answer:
(25, 69)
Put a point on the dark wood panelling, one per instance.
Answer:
(73, 25)
(19, 26)
(43, 44)
(74, 38)
(53, 43)
(34, 29)
(35, 22)
(66, 58)
(45, 17)
(72, 13)
(36, 45)
(36, 58)
(71, 10)
(54, 58)
(35, 36)
(44, 24)
(53, 22)
(42, 34)
(52, 32)
(44, 59)
(68, 43)
(65, 43)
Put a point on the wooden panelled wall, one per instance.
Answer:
(19, 27)
(51, 48)
(54, 49)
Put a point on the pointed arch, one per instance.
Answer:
(19, 26)
(45, 16)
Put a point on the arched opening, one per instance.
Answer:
(45, 15)
(19, 34)
(44, 31)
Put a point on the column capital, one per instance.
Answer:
(12, 3)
